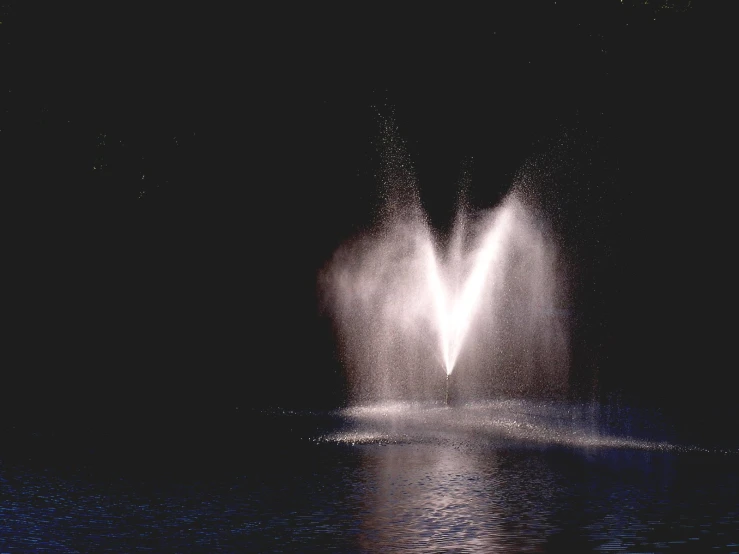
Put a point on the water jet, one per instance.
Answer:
(409, 303)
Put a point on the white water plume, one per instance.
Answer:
(410, 310)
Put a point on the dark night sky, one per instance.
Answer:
(174, 179)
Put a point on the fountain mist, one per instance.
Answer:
(410, 309)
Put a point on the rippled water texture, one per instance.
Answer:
(495, 477)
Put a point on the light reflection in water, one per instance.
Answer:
(520, 476)
(423, 497)
(401, 478)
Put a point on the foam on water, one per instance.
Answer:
(491, 423)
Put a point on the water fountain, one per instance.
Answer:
(477, 320)
(413, 307)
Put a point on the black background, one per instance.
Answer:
(174, 179)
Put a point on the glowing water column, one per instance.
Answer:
(455, 313)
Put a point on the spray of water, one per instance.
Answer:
(410, 306)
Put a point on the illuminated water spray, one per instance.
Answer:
(457, 301)
(411, 307)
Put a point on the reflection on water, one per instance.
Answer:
(516, 476)
(496, 478)
(421, 498)
(426, 498)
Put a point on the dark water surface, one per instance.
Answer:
(505, 478)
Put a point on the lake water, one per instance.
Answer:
(506, 477)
